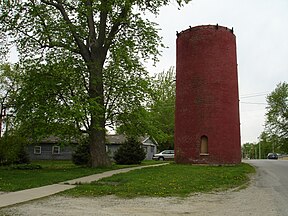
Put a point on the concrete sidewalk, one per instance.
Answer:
(7, 199)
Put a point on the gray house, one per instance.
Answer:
(51, 148)
(115, 141)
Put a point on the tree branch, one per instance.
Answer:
(90, 19)
(59, 6)
(116, 26)
(103, 24)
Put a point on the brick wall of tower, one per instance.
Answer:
(207, 101)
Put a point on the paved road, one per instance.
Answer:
(272, 176)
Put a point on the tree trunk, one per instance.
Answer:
(99, 157)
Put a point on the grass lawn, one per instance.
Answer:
(52, 172)
(169, 180)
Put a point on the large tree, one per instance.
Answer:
(277, 115)
(97, 32)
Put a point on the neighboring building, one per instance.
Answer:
(51, 148)
(115, 141)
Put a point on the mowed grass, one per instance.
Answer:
(168, 180)
(52, 172)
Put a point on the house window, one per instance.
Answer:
(55, 149)
(37, 149)
(204, 145)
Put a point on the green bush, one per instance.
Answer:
(12, 150)
(130, 153)
(82, 155)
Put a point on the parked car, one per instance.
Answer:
(272, 156)
(164, 155)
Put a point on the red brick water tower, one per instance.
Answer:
(207, 126)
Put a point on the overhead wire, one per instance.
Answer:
(252, 95)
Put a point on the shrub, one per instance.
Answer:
(82, 154)
(12, 150)
(130, 153)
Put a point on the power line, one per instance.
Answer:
(254, 95)
(254, 103)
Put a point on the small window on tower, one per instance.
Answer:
(204, 145)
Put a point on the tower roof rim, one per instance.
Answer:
(199, 27)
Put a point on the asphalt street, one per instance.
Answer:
(272, 176)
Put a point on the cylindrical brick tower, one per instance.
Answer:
(207, 126)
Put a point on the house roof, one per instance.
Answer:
(116, 138)
(120, 138)
(111, 139)
(55, 139)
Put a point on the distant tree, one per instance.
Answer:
(97, 33)
(276, 125)
(12, 144)
(156, 116)
(9, 85)
(162, 108)
(266, 146)
(135, 123)
(248, 150)
(12, 149)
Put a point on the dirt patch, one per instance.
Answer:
(250, 201)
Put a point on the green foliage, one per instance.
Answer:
(9, 85)
(248, 151)
(276, 125)
(134, 123)
(277, 111)
(169, 180)
(98, 38)
(52, 99)
(81, 156)
(12, 150)
(156, 118)
(162, 109)
(130, 152)
(266, 144)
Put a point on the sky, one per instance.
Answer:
(261, 29)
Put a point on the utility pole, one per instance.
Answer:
(259, 150)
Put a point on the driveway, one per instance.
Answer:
(262, 197)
